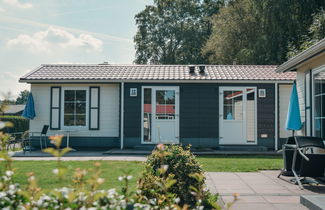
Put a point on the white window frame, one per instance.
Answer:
(84, 127)
(314, 71)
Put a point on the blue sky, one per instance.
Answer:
(63, 31)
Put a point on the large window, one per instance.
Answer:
(75, 108)
(319, 104)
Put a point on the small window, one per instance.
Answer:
(75, 108)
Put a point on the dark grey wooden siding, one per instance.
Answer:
(199, 113)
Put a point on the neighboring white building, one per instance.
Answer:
(310, 68)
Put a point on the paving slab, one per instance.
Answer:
(259, 190)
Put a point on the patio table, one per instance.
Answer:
(68, 138)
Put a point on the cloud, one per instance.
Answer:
(16, 3)
(2, 10)
(55, 38)
(13, 20)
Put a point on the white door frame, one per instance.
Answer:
(221, 131)
(153, 102)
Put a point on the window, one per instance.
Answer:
(75, 107)
(233, 105)
(165, 104)
(319, 104)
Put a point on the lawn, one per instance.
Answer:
(111, 170)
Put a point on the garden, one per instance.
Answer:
(171, 178)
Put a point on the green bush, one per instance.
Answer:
(20, 124)
(182, 166)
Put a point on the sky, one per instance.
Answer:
(34, 32)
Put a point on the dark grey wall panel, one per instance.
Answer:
(199, 113)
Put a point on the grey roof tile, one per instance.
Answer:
(155, 72)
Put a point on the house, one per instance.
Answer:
(139, 106)
(13, 110)
(310, 68)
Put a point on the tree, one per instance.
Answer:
(316, 33)
(22, 97)
(258, 31)
(174, 31)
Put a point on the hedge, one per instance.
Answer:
(20, 124)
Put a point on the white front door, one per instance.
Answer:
(237, 115)
(160, 115)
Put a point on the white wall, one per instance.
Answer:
(284, 98)
(109, 109)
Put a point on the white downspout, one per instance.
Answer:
(122, 115)
(276, 137)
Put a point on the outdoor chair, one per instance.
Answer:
(42, 136)
(306, 162)
(287, 153)
(21, 138)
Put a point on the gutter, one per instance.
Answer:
(305, 55)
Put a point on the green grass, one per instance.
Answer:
(111, 170)
(240, 163)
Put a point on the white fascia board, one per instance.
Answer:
(301, 57)
(153, 81)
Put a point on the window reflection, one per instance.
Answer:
(233, 105)
(165, 104)
(319, 104)
(74, 108)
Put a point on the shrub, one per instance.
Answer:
(179, 164)
(20, 124)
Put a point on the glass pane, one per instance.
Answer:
(170, 96)
(319, 104)
(81, 95)
(69, 108)
(69, 95)
(250, 115)
(80, 120)
(233, 105)
(165, 104)
(81, 108)
(69, 120)
(147, 112)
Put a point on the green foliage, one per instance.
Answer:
(258, 31)
(85, 192)
(171, 172)
(22, 97)
(316, 33)
(20, 124)
(174, 31)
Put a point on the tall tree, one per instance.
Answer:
(174, 31)
(316, 33)
(22, 97)
(258, 31)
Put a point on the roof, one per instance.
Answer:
(153, 72)
(305, 55)
(13, 109)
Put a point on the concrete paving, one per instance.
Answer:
(259, 190)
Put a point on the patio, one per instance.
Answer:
(259, 190)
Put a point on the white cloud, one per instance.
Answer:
(16, 3)
(2, 10)
(55, 38)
